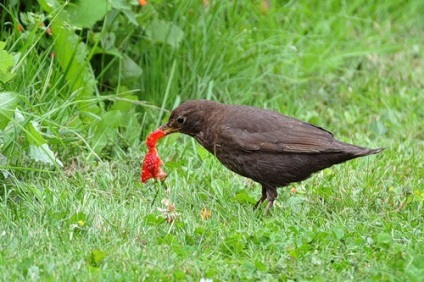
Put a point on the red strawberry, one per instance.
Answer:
(152, 162)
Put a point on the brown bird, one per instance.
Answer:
(267, 147)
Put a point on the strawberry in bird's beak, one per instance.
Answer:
(151, 163)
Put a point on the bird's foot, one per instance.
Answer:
(258, 203)
(262, 199)
(268, 207)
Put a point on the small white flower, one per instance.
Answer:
(168, 210)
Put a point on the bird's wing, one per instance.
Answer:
(266, 131)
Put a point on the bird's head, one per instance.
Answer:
(189, 118)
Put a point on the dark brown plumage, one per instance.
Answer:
(267, 147)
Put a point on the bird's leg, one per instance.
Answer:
(271, 195)
(262, 199)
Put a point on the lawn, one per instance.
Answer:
(76, 106)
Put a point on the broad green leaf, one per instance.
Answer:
(384, 238)
(105, 130)
(6, 62)
(112, 51)
(84, 14)
(39, 150)
(199, 231)
(77, 217)
(243, 197)
(164, 32)
(72, 56)
(167, 239)
(34, 135)
(132, 127)
(124, 106)
(107, 40)
(338, 233)
(120, 5)
(43, 154)
(130, 69)
(130, 16)
(127, 70)
(50, 6)
(234, 243)
(96, 257)
(152, 219)
(8, 103)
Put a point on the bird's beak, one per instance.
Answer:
(167, 129)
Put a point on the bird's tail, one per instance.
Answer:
(366, 151)
(356, 151)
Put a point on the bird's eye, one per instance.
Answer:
(181, 119)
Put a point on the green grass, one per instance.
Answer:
(353, 68)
